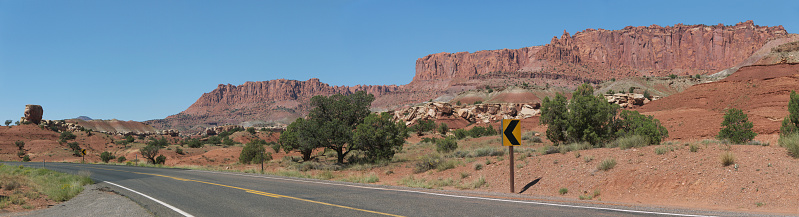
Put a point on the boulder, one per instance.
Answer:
(33, 114)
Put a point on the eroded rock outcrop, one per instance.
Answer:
(481, 113)
(33, 114)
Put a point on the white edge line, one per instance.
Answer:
(151, 198)
(460, 196)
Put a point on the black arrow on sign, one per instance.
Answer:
(509, 132)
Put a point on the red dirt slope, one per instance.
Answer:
(762, 92)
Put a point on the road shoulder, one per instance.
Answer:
(95, 200)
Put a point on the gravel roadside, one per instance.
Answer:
(95, 200)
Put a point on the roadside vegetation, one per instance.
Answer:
(19, 185)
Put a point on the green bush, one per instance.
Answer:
(633, 141)
(736, 127)
(194, 143)
(178, 151)
(482, 152)
(423, 126)
(610, 92)
(790, 124)
(427, 162)
(66, 135)
(161, 159)
(460, 133)
(75, 148)
(563, 191)
(26, 158)
(586, 118)
(446, 145)
(633, 123)
(660, 150)
(443, 129)
(251, 130)
(672, 76)
(160, 143)
(254, 152)
(606, 164)
(121, 159)
(106, 156)
(631, 89)
(647, 95)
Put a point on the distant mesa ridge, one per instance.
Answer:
(84, 118)
(588, 56)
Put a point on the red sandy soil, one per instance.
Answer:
(763, 182)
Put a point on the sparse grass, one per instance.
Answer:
(791, 144)
(481, 152)
(563, 191)
(448, 164)
(693, 147)
(588, 158)
(606, 164)
(759, 204)
(727, 158)
(362, 178)
(56, 186)
(412, 182)
(634, 141)
(476, 183)
(478, 166)
(660, 150)
(427, 162)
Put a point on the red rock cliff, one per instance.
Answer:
(251, 93)
(679, 49)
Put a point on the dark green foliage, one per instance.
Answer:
(479, 131)
(129, 139)
(610, 92)
(226, 141)
(8, 122)
(179, 151)
(622, 91)
(251, 130)
(337, 116)
(478, 102)
(672, 76)
(554, 113)
(790, 124)
(647, 95)
(193, 143)
(214, 140)
(160, 143)
(443, 129)
(446, 145)
(736, 127)
(66, 135)
(423, 126)
(430, 140)
(106, 156)
(460, 133)
(613, 79)
(631, 90)
(161, 159)
(26, 158)
(294, 139)
(457, 103)
(590, 117)
(698, 76)
(524, 84)
(254, 152)
(633, 123)
(149, 152)
(379, 137)
(16, 123)
(121, 159)
(20, 144)
(75, 148)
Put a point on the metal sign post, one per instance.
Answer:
(511, 132)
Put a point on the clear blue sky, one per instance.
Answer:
(142, 60)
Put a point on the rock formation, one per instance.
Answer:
(481, 113)
(33, 114)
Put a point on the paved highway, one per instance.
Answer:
(180, 192)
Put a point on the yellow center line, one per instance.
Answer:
(255, 192)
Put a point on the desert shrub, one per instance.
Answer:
(610, 92)
(121, 159)
(698, 76)
(447, 164)
(227, 142)
(194, 143)
(161, 159)
(461, 154)
(178, 151)
(379, 137)
(693, 148)
(213, 140)
(633, 123)
(660, 150)
(606, 164)
(479, 131)
(443, 129)
(478, 166)
(647, 95)
(446, 145)
(149, 152)
(631, 89)
(563, 191)
(790, 124)
(672, 76)
(254, 152)
(75, 148)
(106, 156)
(736, 127)
(251, 130)
(429, 140)
(66, 135)
(727, 158)
(791, 143)
(586, 118)
(633, 141)
(460, 133)
(423, 126)
(482, 152)
(427, 162)
(26, 158)
(8, 122)
(160, 142)
(129, 139)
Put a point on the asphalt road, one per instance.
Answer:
(180, 192)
